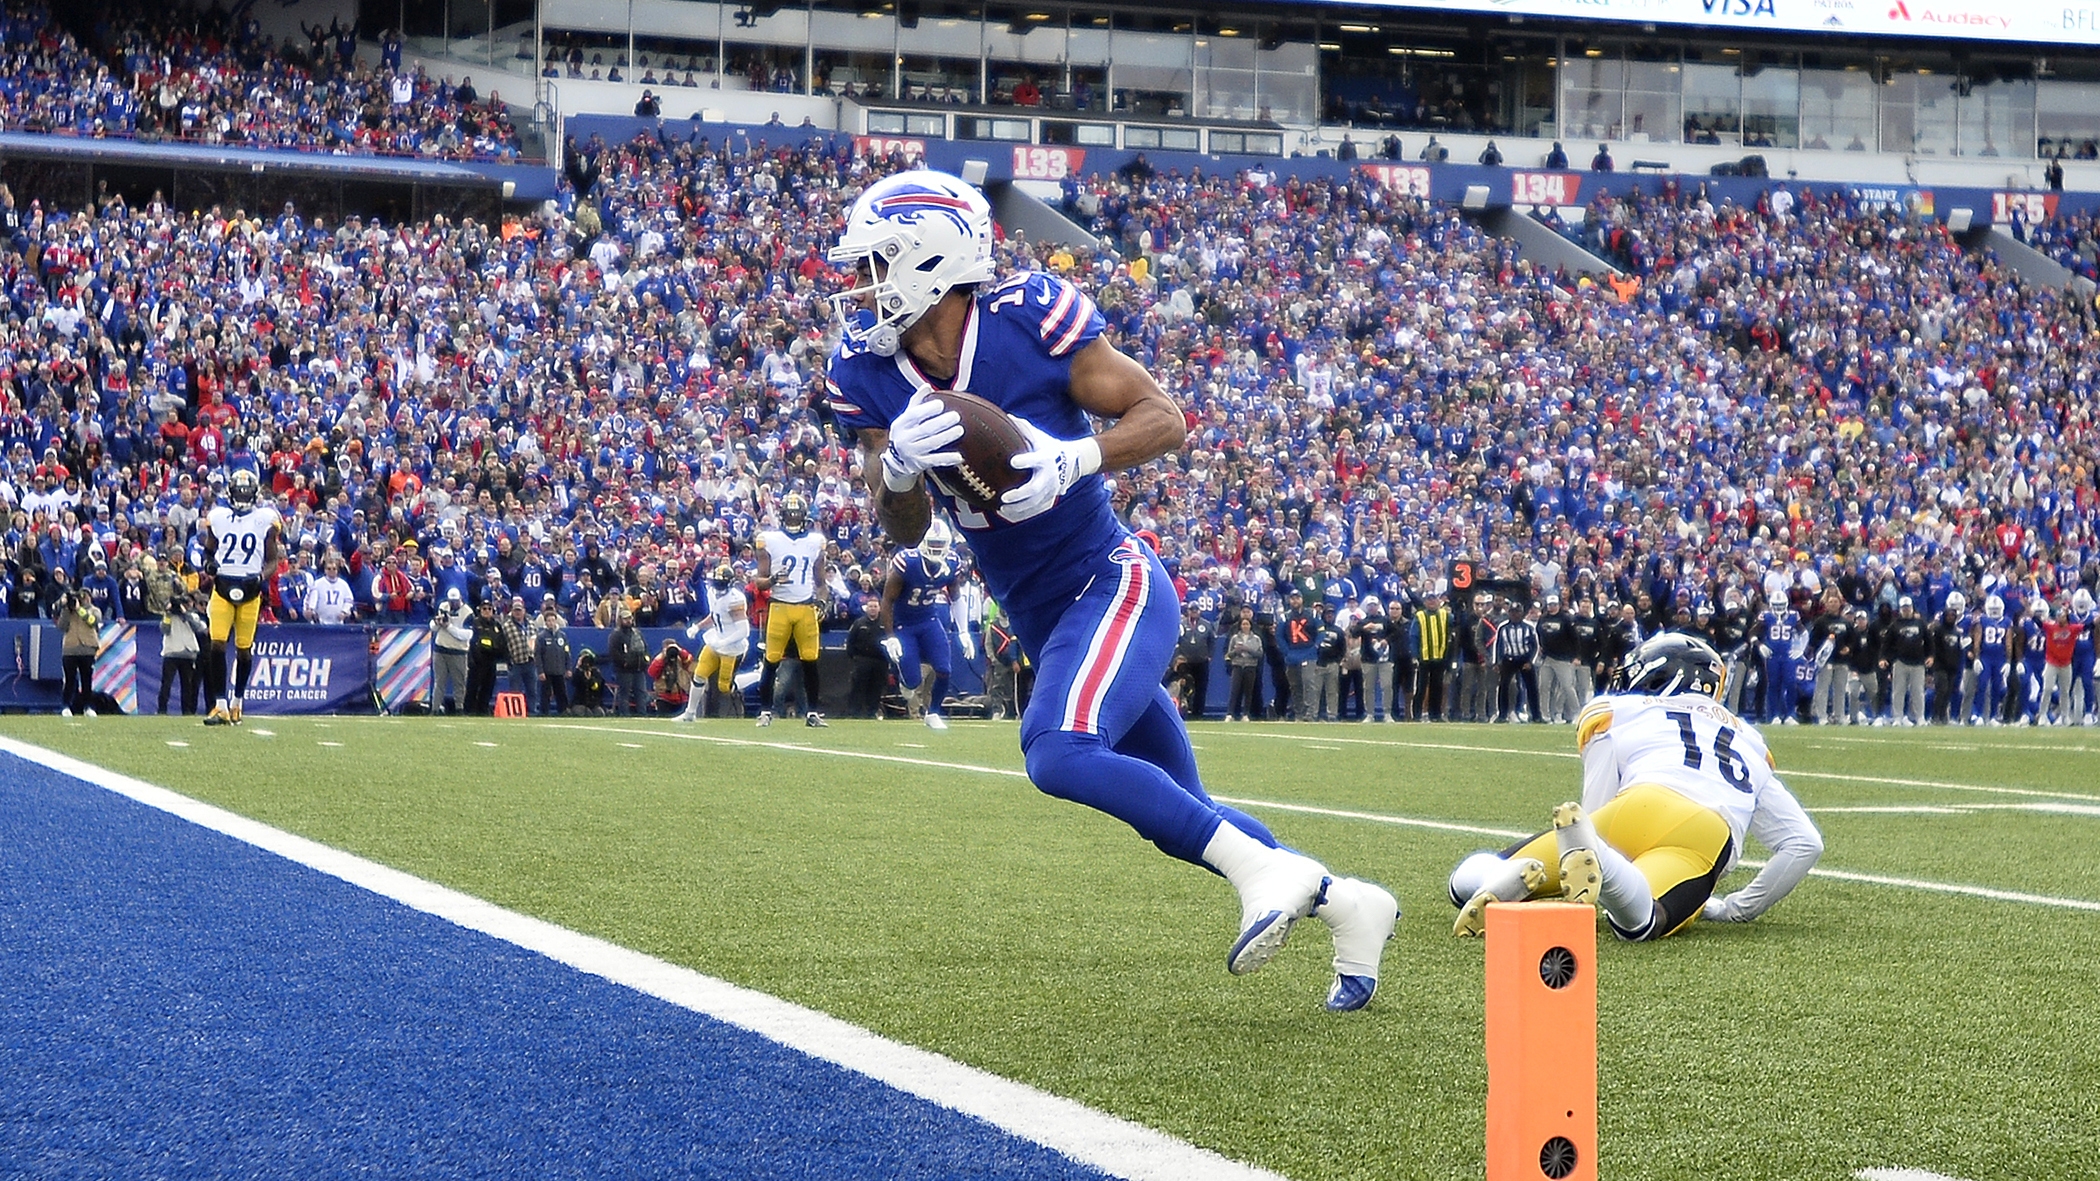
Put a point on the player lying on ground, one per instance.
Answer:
(1093, 607)
(1671, 784)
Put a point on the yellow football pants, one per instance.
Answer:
(717, 667)
(791, 621)
(1677, 845)
(234, 619)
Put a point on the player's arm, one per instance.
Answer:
(903, 513)
(1782, 825)
(1146, 423)
(892, 587)
(764, 578)
(273, 549)
(1600, 768)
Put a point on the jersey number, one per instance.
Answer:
(242, 544)
(787, 569)
(1726, 760)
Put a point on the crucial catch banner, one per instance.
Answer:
(297, 670)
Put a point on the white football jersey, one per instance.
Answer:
(1694, 746)
(731, 632)
(237, 539)
(794, 564)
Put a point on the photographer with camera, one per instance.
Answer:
(671, 677)
(450, 632)
(80, 624)
(182, 631)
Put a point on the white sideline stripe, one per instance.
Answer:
(1966, 807)
(1374, 817)
(1901, 1175)
(1795, 773)
(1898, 810)
(1105, 1142)
(1788, 772)
(1846, 875)
(794, 748)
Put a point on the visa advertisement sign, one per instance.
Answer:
(2017, 20)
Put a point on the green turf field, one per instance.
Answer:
(913, 883)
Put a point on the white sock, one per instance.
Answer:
(1235, 854)
(1491, 872)
(1264, 876)
(1624, 894)
(1580, 835)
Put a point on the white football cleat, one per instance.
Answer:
(1284, 890)
(1524, 879)
(935, 721)
(765, 718)
(1361, 915)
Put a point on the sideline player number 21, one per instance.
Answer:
(1092, 606)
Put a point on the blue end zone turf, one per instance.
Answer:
(176, 1003)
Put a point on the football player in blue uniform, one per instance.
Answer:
(1778, 631)
(1993, 640)
(915, 616)
(1093, 607)
(2033, 660)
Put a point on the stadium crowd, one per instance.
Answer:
(200, 75)
(1803, 427)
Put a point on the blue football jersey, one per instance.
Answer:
(1991, 637)
(925, 594)
(1017, 348)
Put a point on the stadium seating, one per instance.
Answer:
(194, 75)
(1375, 388)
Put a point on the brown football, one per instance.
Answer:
(989, 442)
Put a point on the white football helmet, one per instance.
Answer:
(921, 234)
(1994, 607)
(934, 545)
(2082, 601)
(2039, 608)
(1956, 601)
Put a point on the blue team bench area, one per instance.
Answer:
(185, 1004)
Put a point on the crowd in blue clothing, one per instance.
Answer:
(601, 403)
(202, 75)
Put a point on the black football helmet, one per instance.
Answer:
(794, 512)
(243, 489)
(1671, 662)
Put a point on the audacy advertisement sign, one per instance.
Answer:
(2020, 20)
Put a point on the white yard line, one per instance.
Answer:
(1106, 1142)
(1901, 1175)
(1373, 817)
(1786, 772)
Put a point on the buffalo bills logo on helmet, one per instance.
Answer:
(909, 206)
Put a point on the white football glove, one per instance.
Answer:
(895, 647)
(969, 645)
(917, 438)
(1057, 463)
(692, 631)
(1721, 910)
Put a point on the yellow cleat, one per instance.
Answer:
(234, 713)
(1580, 876)
(218, 717)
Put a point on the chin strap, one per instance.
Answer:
(882, 340)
